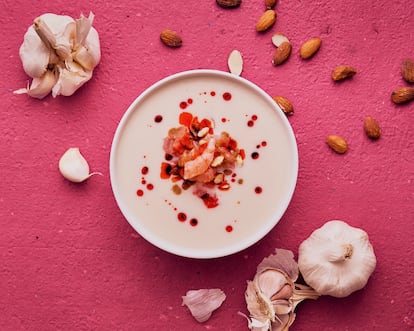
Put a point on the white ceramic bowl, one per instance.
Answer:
(261, 188)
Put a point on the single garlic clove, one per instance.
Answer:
(235, 62)
(70, 79)
(203, 302)
(74, 167)
(34, 54)
(40, 87)
(270, 282)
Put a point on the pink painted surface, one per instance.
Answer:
(68, 258)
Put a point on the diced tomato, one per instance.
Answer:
(242, 154)
(165, 170)
(185, 119)
(232, 144)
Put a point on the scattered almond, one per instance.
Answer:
(270, 4)
(229, 3)
(279, 38)
(282, 53)
(310, 47)
(408, 70)
(343, 72)
(402, 95)
(170, 38)
(235, 62)
(337, 143)
(371, 127)
(266, 21)
(284, 104)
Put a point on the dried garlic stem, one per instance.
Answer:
(340, 253)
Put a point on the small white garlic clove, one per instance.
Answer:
(235, 62)
(336, 259)
(270, 281)
(74, 167)
(203, 302)
(40, 87)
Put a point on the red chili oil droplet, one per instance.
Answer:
(158, 119)
(250, 124)
(165, 170)
(229, 228)
(168, 157)
(144, 170)
(264, 143)
(193, 222)
(189, 101)
(140, 193)
(150, 187)
(227, 96)
(258, 146)
(212, 93)
(183, 105)
(258, 189)
(254, 117)
(255, 155)
(224, 120)
(143, 181)
(182, 217)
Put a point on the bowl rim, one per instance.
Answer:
(231, 249)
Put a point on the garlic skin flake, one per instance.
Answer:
(74, 167)
(273, 295)
(59, 53)
(337, 259)
(203, 302)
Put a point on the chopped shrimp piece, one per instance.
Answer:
(201, 163)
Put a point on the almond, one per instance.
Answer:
(284, 104)
(402, 94)
(343, 72)
(408, 70)
(270, 4)
(266, 21)
(337, 143)
(229, 3)
(170, 38)
(371, 127)
(310, 47)
(282, 53)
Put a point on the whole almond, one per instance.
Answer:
(337, 143)
(371, 127)
(266, 21)
(282, 53)
(229, 3)
(170, 38)
(310, 47)
(284, 104)
(408, 70)
(270, 3)
(402, 95)
(343, 72)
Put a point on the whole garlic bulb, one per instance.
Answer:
(59, 53)
(337, 259)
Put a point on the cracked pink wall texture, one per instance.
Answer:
(68, 258)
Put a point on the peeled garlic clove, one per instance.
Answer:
(203, 302)
(337, 259)
(235, 62)
(40, 87)
(74, 167)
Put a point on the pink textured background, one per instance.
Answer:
(68, 258)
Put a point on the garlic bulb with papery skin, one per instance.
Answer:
(74, 167)
(203, 302)
(59, 53)
(337, 259)
(273, 295)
